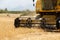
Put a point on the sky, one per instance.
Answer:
(16, 5)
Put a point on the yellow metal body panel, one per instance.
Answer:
(50, 19)
(39, 7)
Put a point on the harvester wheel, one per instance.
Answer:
(58, 23)
(29, 24)
(17, 22)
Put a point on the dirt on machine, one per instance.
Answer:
(48, 16)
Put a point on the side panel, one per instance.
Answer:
(39, 5)
(47, 6)
(49, 19)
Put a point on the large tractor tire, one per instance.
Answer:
(58, 23)
(17, 22)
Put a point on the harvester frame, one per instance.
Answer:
(49, 15)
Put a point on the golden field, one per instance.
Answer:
(9, 32)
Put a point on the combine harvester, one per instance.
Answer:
(49, 15)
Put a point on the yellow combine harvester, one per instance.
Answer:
(49, 15)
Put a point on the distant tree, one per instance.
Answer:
(6, 9)
(28, 10)
(1, 11)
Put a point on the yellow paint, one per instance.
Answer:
(39, 7)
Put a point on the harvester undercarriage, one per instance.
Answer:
(47, 21)
(48, 18)
(28, 23)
